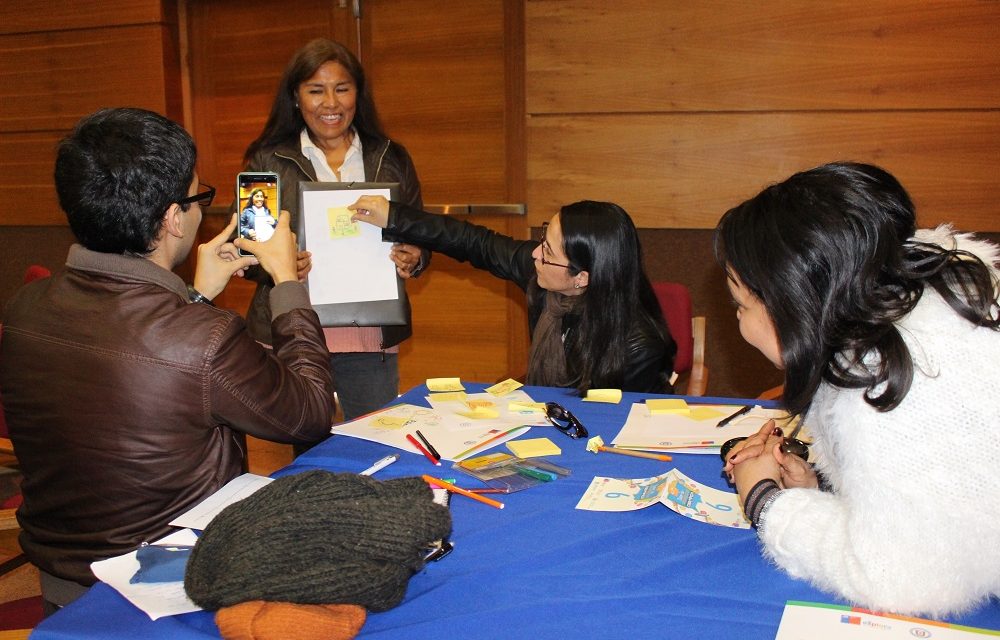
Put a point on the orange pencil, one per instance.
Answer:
(447, 486)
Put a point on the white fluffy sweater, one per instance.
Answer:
(912, 524)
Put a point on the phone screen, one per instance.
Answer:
(258, 201)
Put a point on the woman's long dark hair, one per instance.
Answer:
(285, 121)
(830, 253)
(600, 238)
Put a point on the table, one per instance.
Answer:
(540, 568)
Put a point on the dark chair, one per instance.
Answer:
(689, 334)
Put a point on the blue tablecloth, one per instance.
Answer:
(540, 568)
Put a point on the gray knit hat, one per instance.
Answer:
(318, 538)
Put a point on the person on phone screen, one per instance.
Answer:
(323, 126)
(128, 396)
(889, 337)
(256, 219)
(595, 321)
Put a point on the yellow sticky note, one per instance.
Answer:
(480, 413)
(705, 413)
(659, 406)
(338, 221)
(480, 404)
(445, 384)
(505, 387)
(533, 447)
(613, 396)
(449, 396)
(520, 406)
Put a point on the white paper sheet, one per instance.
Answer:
(815, 621)
(350, 261)
(156, 600)
(676, 431)
(234, 491)
(454, 437)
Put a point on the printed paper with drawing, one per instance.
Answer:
(674, 490)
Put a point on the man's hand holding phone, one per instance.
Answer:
(279, 255)
(218, 261)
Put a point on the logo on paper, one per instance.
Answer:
(850, 619)
(917, 632)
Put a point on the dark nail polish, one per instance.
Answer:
(777, 432)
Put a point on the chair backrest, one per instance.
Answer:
(675, 302)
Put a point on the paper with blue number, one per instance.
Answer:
(674, 490)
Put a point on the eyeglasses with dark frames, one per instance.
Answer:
(203, 198)
(545, 247)
(562, 419)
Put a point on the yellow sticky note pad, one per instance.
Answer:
(480, 413)
(533, 447)
(660, 406)
(613, 396)
(505, 387)
(480, 404)
(445, 384)
(449, 396)
(520, 406)
(706, 413)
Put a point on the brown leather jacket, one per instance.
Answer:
(385, 161)
(127, 405)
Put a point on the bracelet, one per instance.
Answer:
(196, 296)
(758, 498)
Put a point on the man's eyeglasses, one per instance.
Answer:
(203, 198)
(565, 421)
(545, 247)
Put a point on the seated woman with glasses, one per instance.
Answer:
(888, 337)
(594, 318)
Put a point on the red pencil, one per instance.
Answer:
(421, 449)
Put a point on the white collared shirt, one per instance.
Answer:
(353, 169)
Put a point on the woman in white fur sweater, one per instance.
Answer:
(890, 342)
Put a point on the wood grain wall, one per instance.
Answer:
(679, 111)
(63, 59)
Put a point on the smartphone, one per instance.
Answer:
(258, 198)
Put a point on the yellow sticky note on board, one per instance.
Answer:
(449, 396)
(505, 387)
(520, 406)
(613, 396)
(660, 406)
(480, 404)
(445, 384)
(533, 448)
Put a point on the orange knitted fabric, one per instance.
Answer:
(260, 620)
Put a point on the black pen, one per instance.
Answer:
(430, 447)
(729, 419)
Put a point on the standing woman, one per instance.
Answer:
(324, 127)
(595, 321)
(889, 337)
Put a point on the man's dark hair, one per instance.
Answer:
(117, 173)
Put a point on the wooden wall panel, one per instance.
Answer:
(686, 170)
(24, 16)
(31, 157)
(438, 74)
(585, 57)
(53, 79)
